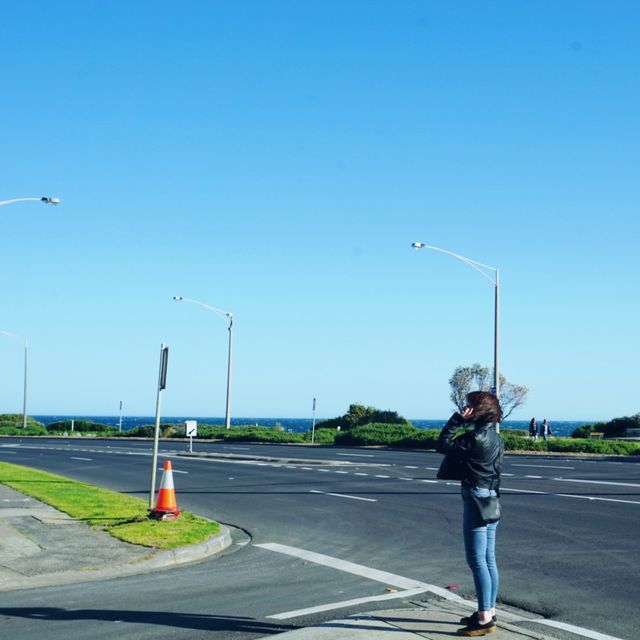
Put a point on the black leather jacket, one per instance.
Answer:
(481, 450)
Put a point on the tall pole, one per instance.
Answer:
(495, 281)
(24, 399)
(227, 418)
(223, 314)
(26, 351)
(313, 423)
(44, 200)
(162, 383)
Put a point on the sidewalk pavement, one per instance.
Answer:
(40, 547)
(435, 620)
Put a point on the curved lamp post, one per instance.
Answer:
(495, 281)
(44, 200)
(26, 359)
(222, 314)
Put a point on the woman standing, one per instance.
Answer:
(477, 453)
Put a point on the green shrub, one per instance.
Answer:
(322, 436)
(11, 425)
(586, 430)
(81, 426)
(375, 434)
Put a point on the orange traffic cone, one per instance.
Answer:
(166, 506)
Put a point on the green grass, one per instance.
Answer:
(124, 517)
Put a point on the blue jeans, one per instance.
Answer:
(480, 549)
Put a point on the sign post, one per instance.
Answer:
(191, 430)
(162, 383)
(313, 423)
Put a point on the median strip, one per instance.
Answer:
(122, 516)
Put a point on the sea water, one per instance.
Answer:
(562, 428)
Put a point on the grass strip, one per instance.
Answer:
(122, 516)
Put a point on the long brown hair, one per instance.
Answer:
(486, 407)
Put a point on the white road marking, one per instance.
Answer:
(174, 470)
(613, 484)
(341, 472)
(376, 575)
(542, 493)
(569, 495)
(433, 469)
(239, 448)
(534, 477)
(306, 468)
(356, 455)
(409, 588)
(508, 474)
(77, 458)
(430, 481)
(342, 495)
(381, 476)
(360, 474)
(405, 478)
(540, 466)
(410, 467)
(587, 633)
(14, 452)
(347, 603)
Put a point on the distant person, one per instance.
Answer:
(475, 458)
(545, 430)
(533, 429)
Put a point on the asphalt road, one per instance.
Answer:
(567, 545)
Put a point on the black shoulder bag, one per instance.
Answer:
(488, 507)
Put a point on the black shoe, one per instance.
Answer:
(474, 618)
(474, 629)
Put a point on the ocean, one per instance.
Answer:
(558, 427)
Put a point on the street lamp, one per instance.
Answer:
(26, 359)
(222, 314)
(44, 200)
(495, 281)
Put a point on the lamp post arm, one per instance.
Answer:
(474, 264)
(219, 312)
(45, 200)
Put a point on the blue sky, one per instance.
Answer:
(277, 159)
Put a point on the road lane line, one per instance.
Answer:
(78, 458)
(613, 484)
(569, 495)
(542, 493)
(540, 466)
(534, 477)
(342, 495)
(381, 476)
(356, 455)
(14, 452)
(360, 474)
(347, 603)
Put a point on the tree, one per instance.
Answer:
(359, 415)
(479, 378)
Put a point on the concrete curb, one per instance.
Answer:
(156, 560)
